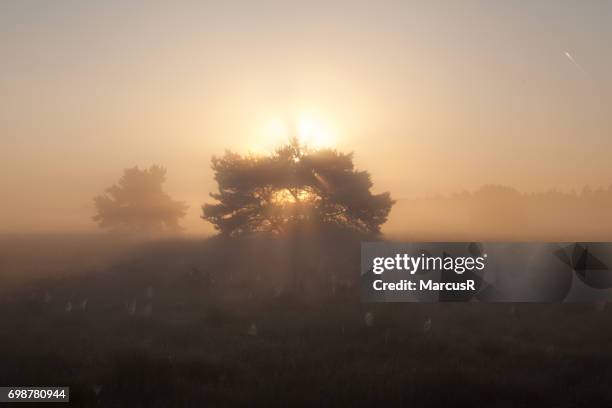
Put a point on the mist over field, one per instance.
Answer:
(181, 321)
(501, 213)
(186, 187)
(160, 317)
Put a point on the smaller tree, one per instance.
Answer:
(138, 203)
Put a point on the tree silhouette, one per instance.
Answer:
(294, 186)
(139, 203)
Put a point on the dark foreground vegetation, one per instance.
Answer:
(257, 322)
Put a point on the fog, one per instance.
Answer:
(432, 98)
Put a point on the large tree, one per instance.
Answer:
(138, 202)
(294, 186)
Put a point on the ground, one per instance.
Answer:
(207, 323)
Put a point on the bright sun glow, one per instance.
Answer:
(314, 132)
(310, 130)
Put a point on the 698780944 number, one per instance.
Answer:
(34, 394)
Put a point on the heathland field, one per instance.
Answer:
(194, 322)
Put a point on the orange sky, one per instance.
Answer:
(431, 96)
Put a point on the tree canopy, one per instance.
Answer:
(294, 186)
(137, 202)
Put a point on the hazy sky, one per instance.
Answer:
(431, 96)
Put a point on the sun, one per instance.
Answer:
(310, 130)
(314, 132)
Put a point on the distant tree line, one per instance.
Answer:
(503, 213)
